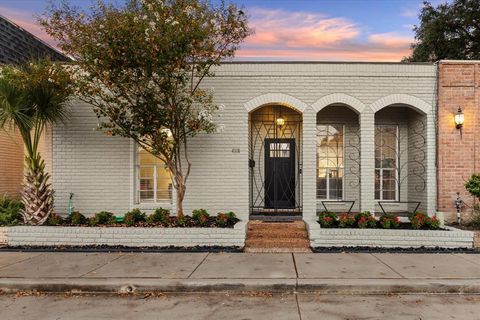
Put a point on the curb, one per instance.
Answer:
(320, 286)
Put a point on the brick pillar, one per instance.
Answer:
(367, 160)
(309, 170)
(457, 150)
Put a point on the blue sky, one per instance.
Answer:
(359, 30)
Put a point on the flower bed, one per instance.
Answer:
(134, 229)
(387, 238)
(365, 220)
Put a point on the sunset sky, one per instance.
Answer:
(357, 30)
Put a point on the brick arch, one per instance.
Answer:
(414, 102)
(271, 98)
(353, 103)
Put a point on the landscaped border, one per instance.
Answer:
(123, 236)
(388, 238)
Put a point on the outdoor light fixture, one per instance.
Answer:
(459, 118)
(280, 121)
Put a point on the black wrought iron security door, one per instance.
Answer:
(279, 173)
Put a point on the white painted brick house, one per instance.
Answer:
(295, 134)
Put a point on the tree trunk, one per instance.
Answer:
(181, 188)
(37, 193)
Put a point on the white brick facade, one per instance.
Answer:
(99, 169)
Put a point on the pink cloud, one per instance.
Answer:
(290, 35)
(390, 40)
(298, 29)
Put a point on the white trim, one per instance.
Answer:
(413, 102)
(275, 98)
(351, 102)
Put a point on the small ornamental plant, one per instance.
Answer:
(54, 220)
(473, 185)
(433, 223)
(346, 221)
(103, 218)
(201, 216)
(76, 218)
(365, 220)
(222, 219)
(133, 217)
(422, 221)
(327, 219)
(160, 215)
(389, 221)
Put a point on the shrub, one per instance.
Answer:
(54, 220)
(76, 218)
(327, 219)
(181, 222)
(133, 217)
(418, 220)
(222, 219)
(365, 220)
(103, 218)
(388, 221)
(160, 215)
(10, 211)
(476, 216)
(433, 223)
(232, 217)
(200, 216)
(473, 185)
(346, 221)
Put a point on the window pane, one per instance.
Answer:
(147, 165)
(330, 161)
(386, 144)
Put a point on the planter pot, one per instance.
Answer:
(123, 236)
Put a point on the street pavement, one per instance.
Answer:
(239, 306)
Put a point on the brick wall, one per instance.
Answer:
(11, 163)
(457, 151)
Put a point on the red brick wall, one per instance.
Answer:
(458, 152)
(11, 163)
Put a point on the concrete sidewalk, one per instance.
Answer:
(345, 273)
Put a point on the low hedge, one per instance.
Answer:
(365, 219)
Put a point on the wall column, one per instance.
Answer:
(367, 160)
(309, 168)
(431, 173)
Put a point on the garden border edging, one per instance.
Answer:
(388, 238)
(123, 236)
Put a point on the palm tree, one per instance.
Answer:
(32, 97)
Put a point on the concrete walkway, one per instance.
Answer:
(205, 272)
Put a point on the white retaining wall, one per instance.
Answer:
(121, 236)
(339, 237)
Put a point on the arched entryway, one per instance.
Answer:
(275, 160)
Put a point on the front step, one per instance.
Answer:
(276, 217)
(277, 237)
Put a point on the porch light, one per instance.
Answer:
(459, 118)
(280, 121)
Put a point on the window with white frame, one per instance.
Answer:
(330, 161)
(154, 183)
(386, 162)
